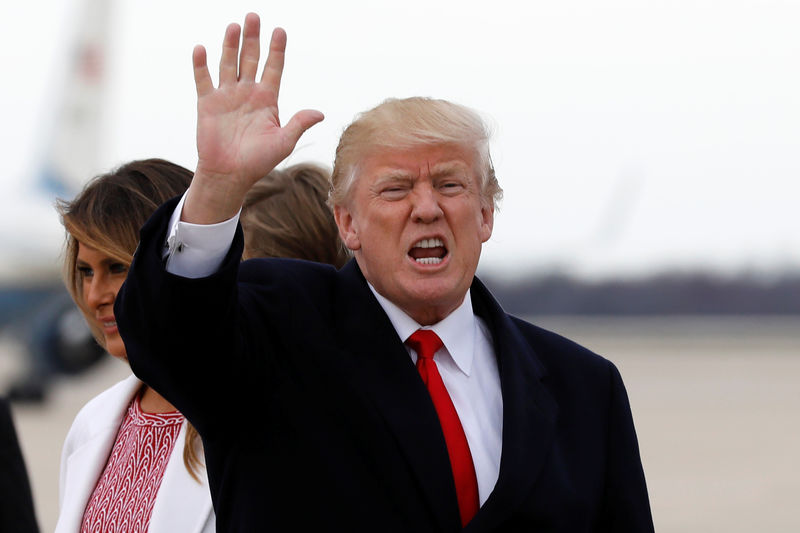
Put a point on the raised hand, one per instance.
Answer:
(239, 133)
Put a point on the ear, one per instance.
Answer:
(487, 221)
(348, 230)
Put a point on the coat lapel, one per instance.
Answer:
(86, 462)
(529, 414)
(183, 504)
(383, 369)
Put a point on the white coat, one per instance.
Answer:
(182, 504)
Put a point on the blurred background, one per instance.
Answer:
(648, 152)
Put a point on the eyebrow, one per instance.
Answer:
(449, 167)
(393, 176)
(439, 170)
(106, 261)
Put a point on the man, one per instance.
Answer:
(394, 394)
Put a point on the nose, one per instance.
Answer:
(99, 292)
(426, 208)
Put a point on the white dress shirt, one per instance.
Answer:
(468, 368)
(466, 362)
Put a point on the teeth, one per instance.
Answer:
(109, 324)
(429, 243)
(429, 260)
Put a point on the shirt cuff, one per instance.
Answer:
(197, 250)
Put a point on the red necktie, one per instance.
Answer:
(425, 342)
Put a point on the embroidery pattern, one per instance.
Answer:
(124, 496)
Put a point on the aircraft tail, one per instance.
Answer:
(71, 151)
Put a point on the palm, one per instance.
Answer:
(239, 133)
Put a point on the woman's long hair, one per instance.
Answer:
(107, 215)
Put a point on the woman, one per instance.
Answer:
(121, 468)
(285, 215)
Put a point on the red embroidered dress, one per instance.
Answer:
(126, 491)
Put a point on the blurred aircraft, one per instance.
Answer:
(35, 308)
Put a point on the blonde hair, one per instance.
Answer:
(107, 215)
(401, 124)
(285, 214)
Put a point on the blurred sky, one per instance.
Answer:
(631, 136)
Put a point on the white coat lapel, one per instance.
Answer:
(83, 465)
(182, 503)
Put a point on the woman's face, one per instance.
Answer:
(101, 277)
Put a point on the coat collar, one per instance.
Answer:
(529, 413)
(386, 371)
(182, 503)
(86, 450)
(86, 453)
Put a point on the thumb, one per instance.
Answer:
(300, 122)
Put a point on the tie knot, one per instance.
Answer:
(425, 342)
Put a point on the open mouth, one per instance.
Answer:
(428, 252)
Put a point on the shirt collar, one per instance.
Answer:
(457, 330)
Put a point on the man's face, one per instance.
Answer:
(415, 222)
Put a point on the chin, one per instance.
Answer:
(116, 349)
(437, 291)
(429, 305)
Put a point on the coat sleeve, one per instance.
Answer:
(181, 335)
(626, 507)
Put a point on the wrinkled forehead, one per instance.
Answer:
(415, 161)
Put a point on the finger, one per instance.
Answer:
(202, 78)
(300, 122)
(230, 52)
(248, 59)
(273, 70)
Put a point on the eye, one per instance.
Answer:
(394, 192)
(451, 186)
(84, 272)
(118, 268)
